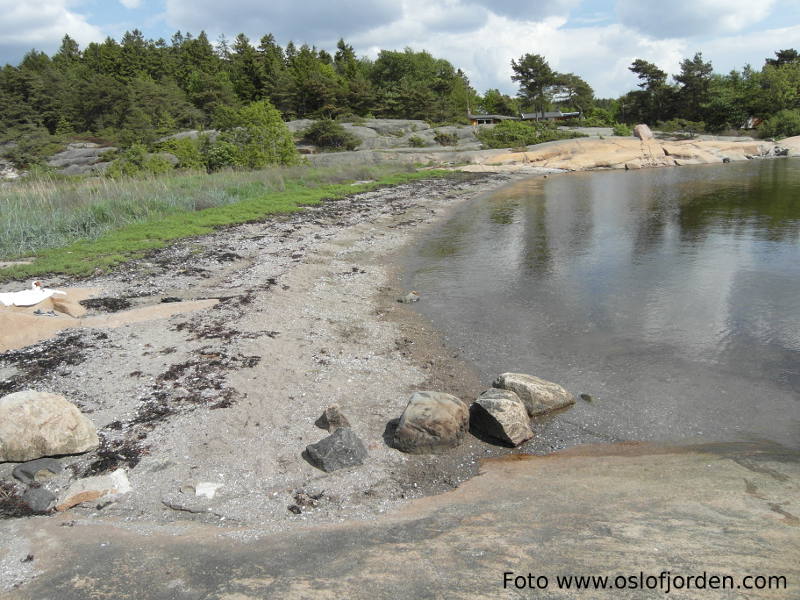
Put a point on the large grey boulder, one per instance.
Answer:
(37, 424)
(501, 415)
(341, 449)
(538, 395)
(79, 154)
(642, 132)
(431, 422)
(38, 499)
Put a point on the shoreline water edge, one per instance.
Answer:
(306, 315)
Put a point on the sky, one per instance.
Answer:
(596, 39)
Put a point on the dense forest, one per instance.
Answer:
(137, 90)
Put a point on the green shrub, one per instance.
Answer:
(187, 150)
(222, 155)
(33, 145)
(785, 123)
(681, 126)
(254, 136)
(445, 139)
(330, 135)
(513, 134)
(136, 161)
(622, 130)
(417, 142)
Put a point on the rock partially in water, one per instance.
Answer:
(431, 422)
(38, 470)
(332, 419)
(37, 424)
(412, 296)
(341, 449)
(538, 395)
(501, 415)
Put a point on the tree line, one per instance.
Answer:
(137, 90)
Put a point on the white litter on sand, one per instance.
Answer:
(206, 488)
(30, 297)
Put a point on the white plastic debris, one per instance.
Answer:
(30, 297)
(206, 488)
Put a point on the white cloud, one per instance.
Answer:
(313, 21)
(599, 54)
(689, 18)
(131, 3)
(40, 25)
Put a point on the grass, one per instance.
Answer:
(75, 227)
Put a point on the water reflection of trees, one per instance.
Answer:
(764, 206)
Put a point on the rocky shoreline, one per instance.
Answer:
(305, 314)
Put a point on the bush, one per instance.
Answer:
(254, 136)
(622, 130)
(785, 123)
(512, 134)
(417, 142)
(681, 126)
(330, 135)
(222, 155)
(187, 150)
(136, 161)
(445, 139)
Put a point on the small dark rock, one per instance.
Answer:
(332, 419)
(28, 558)
(341, 449)
(295, 509)
(168, 299)
(37, 470)
(38, 499)
(586, 397)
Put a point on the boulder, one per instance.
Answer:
(93, 488)
(38, 470)
(501, 415)
(412, 296)
(642, 132)
(538, 395)
(78, 155)
(7, 170)
(38, 499)
(432, 421)
(332, 419)
(37, 424)
(341, 449)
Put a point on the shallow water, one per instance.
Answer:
(671, 296)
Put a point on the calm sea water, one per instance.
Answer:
(671, 296)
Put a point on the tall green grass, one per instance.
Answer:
(76, 226)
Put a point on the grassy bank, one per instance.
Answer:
(75, 227)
